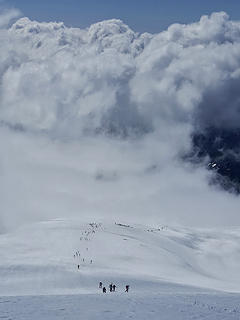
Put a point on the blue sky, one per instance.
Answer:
(140, 15)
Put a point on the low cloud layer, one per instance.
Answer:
(95, 122)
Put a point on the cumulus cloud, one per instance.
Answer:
(94, 122)
(7, 16)
(54, 76)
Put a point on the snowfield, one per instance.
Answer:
(173, 273)
(133, 306)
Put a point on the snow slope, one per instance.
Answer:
(121, 306)
(39, 258)
(173, 273)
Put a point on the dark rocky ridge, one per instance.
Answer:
(222, 149)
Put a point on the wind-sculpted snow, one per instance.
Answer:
(136, 307)
(95, 121)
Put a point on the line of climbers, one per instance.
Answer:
(112, 287)
(78, 266)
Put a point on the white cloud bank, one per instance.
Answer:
(93, 121)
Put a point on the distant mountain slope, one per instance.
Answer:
(221, 148)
